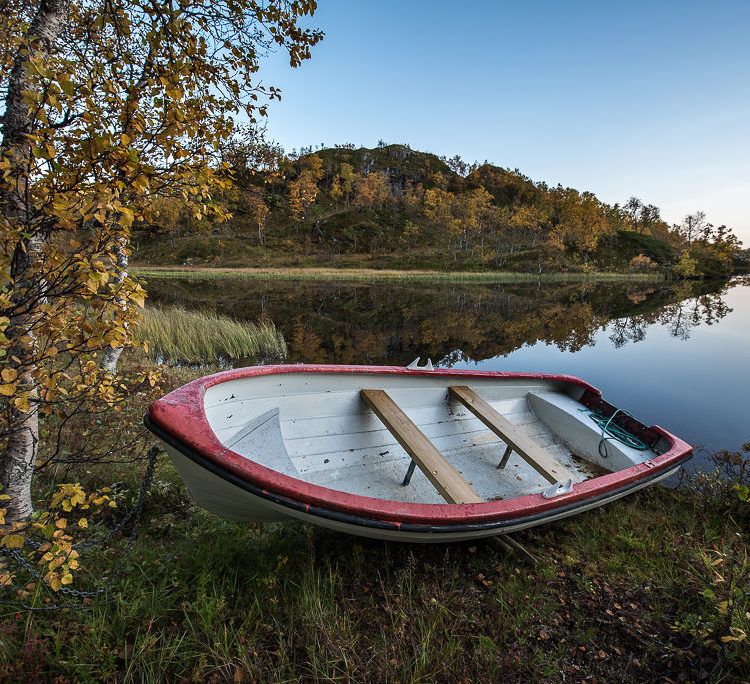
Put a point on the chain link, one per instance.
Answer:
(136, 510)
(134, 514)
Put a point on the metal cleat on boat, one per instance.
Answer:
(413, 365)
(558, 488)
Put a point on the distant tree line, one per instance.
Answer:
(392, 198)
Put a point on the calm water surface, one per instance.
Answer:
(677, 355)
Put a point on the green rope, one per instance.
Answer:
(614, 431)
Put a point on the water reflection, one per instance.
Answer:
(392, 324)
(679, 317)
(673, 354)
(683, 365)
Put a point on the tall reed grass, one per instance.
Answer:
(177, 335)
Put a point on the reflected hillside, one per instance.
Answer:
(391, 325)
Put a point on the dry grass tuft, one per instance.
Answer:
(177, 335)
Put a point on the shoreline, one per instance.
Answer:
(371, 275)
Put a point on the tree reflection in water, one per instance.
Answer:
(392, 324)
(679, 317)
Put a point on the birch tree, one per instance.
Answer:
(108, 105)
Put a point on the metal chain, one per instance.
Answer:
(152, 453)
(135, 513)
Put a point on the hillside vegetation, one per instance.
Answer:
(394, 207)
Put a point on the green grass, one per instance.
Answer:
(374, 275)
(178, 335)
(211, 600)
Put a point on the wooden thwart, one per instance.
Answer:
(446, 479)
(529, 450)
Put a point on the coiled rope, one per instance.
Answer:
(614, 431)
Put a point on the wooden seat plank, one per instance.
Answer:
(529, 450)
(446, 479)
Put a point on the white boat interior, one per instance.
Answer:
(320, 428)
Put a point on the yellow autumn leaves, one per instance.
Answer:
(56, 555)
(9, 375)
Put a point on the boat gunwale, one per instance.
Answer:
(181, 416)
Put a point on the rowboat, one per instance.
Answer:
(414, 453)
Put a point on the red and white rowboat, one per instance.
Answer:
(331, 445)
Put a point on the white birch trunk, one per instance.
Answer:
(18, 461)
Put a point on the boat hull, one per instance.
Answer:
(233, 500)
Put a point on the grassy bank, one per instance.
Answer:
(372, 275)
(177, 335)
(651, 588)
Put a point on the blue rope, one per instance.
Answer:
(614, 431)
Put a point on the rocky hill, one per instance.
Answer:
(392, 206)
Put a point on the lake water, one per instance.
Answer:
(677, 355)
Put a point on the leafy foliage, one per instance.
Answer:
(642, 263)
(55, 554)
(113, 112)
(395, 199)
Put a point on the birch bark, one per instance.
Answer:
(17, 463)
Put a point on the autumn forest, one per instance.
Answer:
(394, 206)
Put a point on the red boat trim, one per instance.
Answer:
(180, 415)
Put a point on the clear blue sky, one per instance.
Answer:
(650, 99)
